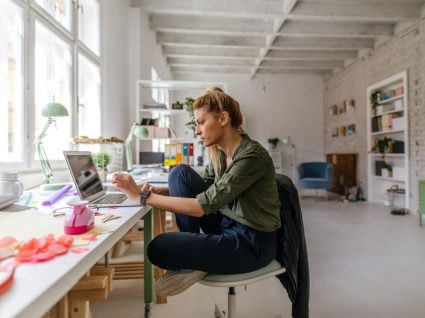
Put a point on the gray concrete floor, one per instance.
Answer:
(364, 262)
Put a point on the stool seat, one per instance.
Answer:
(233, 280)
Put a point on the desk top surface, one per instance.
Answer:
(38, 286)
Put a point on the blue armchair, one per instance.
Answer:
(315, 175)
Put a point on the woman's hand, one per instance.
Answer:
(126, 184)
(151, 188)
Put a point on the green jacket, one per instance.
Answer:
(246, 190)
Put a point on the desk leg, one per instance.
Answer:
(159, 228)
(148, 272)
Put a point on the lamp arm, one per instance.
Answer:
(43, 134)
(45, 164)
(127, 146)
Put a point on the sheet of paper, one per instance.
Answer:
(28, 224)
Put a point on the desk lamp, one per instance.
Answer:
(140, 132)
(51, 111)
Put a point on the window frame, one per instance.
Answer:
(31, 12)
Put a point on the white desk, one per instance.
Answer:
(38, 287)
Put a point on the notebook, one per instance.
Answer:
(88, 184)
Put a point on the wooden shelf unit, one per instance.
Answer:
(377, 184)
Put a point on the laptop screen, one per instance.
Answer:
(84, 174)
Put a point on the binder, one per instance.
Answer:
(179, 152)
(173, 151)
(185, 158)
(191, 156)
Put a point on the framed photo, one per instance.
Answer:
(351, 107)
(351, 129)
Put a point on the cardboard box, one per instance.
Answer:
(151, 131)
(399, 91)
(398, 104)
(399, 173)
(387, 122)
(162, 132)
(398, 123)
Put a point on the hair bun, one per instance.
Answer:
(214, 89)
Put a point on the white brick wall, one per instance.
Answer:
(406, 51)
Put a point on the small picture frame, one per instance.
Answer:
(351, 129)
(343, 108)
(351, 107)
(341, 131)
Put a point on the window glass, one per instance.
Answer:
(89, 24)
(53, 64)
(61, 10)
(89, 115)
(11, 103)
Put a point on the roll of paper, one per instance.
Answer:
(57, 195)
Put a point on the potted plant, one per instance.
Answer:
(273, 142)
(101, 161)
(189, 108)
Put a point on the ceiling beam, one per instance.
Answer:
(209, 25)
(279, 71)
(342, 29)
(324, 65)
(220, 8)
(175, 50)
(167, 38)
(308, 55)
(356, 12)
(323, 43)
(210, 61)
(207, 69)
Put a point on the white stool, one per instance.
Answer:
(231, 281)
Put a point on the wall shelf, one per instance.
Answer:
(394, 155)
(386, 132)
(389, 100)
(389, 179)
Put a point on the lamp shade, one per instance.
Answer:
(54, 110)
(140, 131)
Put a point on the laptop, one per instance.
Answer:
(88, 184)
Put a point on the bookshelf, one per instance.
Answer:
(387, 140)
(170, 124)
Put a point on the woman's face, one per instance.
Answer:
(209, 127)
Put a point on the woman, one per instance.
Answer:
(235, 203)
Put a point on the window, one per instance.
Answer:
(61, 10)
(57, 61)
(52, 84)
(11, 85)
(89, 97)
(88, 24)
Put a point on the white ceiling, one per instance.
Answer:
(273, 36)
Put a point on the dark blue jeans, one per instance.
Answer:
(225, 246)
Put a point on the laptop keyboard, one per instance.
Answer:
(112, 198)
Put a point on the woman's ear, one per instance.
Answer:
(224, 118)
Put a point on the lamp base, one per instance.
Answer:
(52, 186)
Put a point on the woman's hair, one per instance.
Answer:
(215, 101)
